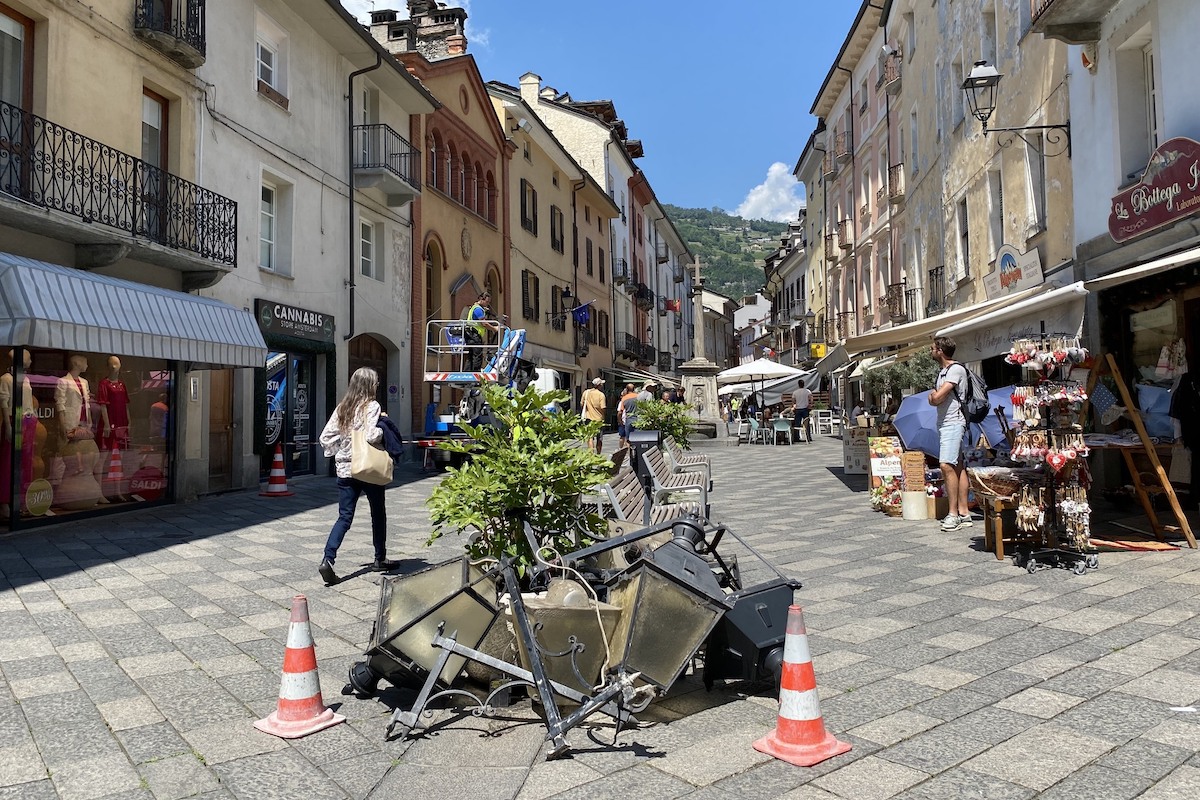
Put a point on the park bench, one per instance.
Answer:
(681, 461)
(667, 483)
(628, 500)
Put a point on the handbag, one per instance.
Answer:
(1181, 465)
(368, 463)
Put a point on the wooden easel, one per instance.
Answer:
(1140, 487)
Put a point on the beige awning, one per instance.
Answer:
(924, 329)
(1058, 312)
(1143, 270)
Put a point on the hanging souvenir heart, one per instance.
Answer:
(1056, 460)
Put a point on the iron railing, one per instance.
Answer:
(378, 146)
(845, 234)
(660, 252)
(868, 317)
(864, 214)
(831, 330)
(845, 325)
(678, 320)
(880, 194)
(892, 72)
(828, 166)
(583, 341)
(54, 167)
(646, 354)
(644, 297)
(627, 344)
(620, 269)
(662, 306)
(912, 304)
(896, 183)
(1037, 7)
(937, 291)
(831, 250)
(842, 147)
(678, 273)
(183, 20)
(798, 309)
(666, 361)
(893, 298)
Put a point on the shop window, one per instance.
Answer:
(84, 431)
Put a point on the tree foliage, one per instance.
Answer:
(673, 419)
(731, 249)
(917, 372)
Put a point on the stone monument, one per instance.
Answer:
(699, 373)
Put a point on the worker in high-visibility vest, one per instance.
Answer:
(475, 331)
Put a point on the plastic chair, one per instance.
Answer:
(756, 431)
(743, 431)
(781, 426)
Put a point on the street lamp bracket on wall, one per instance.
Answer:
(980, 89)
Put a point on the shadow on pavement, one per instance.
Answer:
(855, 483)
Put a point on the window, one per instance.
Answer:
(558, 316)
(554, 179)
(268, 211)
(1151, 96)
(530, 295)
(16, 58)
(587, 249)
(587, 213)
(557, 234)
(987, 35)
(964, 240)
(271, 49)
(367, 251)
(528, 207)
(1036, 165)
(913, 138)
(528, 154)
(996, 217)
(958, 100)
(602, 328)
(910, 37)
(1138, 120)
(600, 263)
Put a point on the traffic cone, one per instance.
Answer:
(301, 710)
(799, 737)
(115, 475)
(277, 483)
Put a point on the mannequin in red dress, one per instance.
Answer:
(113, 400)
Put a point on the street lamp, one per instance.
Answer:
(980, 89)
(810, 323)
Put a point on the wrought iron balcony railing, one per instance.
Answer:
(583, 341)
(868, 317)
(828, 165)
(54, 167)
(643, 297)
(831, 330)
(678, 321)
(892, 70)
(646, 354)
(845, 325)
(912, 304)
(174, 27)
(845, 234)
(880, 194)
(1071, 21)
(666, 361)
(385, 160)
(660, 252)
(662, 306)
(620, 271)
(842, 147)
(937, 291)
(894, 300)
(798, 310)
(895, 185)
(864, 214)
(627, 345)
(831, 250)
(678, 273)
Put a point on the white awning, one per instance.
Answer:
(1143, 270)
(924, 329)
(1057, 312)
(863, 366)
(47, 305)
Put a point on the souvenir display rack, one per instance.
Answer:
(1052, 509)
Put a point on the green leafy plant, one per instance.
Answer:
(917, 372)
(673, 419)
(532, 465)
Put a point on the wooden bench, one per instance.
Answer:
(680, 461)
(667, 483)
(628, 500)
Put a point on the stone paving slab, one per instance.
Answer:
(134, 658)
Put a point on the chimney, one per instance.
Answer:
(456, 43)
(437, 29)
(549, 93)
(531, 85)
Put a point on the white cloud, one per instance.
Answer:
(777, 198)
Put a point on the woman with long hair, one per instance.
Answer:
(358, 410)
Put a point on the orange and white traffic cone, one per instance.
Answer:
(301, 709)
(115, 473)
(799, 737)
(277, 483)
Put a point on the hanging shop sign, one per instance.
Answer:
(1014, 272)
(1168, 191)
(284, 320)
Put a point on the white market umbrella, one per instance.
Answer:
(760, 369)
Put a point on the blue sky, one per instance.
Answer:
(718, 92)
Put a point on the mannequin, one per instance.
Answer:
(27, 422)
(78, 488)
(112, 398)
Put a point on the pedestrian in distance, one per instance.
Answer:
(802, 407)
(952, 429)
(357, 410)
(625, 412)
(591, 407)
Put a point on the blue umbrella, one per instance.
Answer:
(998, 398)
(916, 423)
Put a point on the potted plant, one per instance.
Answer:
(531, 465)
(672, 419)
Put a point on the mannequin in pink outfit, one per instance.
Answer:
(78, 488)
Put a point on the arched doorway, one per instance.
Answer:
(367, 351)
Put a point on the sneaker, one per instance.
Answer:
(965, 521)
(951, 522)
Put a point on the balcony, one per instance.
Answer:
(678, 273)
(845, 234)
(384, 160)
(627, 345)
(864, 214)
(174, 223)
(647, 355)
(831, 331)
(662, 306)
(620, 274)
(798, 310)
(173, 27)
(892, 68)
(912, 304)
(842, 147)
(845, 326)
(895, 185)
(666, 361)
(893, 299)
(937, 291)
(828, 166)
(868, 317)
(660, 252)
(678, 320)
(643, 297)
(583, 341)
(831, 251)
(1071, 21)
(880, 196)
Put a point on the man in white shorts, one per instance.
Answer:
(952, 429)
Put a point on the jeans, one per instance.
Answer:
(349, 491)
(473, 358)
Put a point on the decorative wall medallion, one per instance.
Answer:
(465, 241)
(463, 99)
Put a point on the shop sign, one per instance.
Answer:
(285, 320)
(816, 350)
(856, 455)
(1168, 191)
(1014, 272)
(39, 496)
(147, 484)
(885, 458)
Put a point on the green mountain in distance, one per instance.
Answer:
(731, 249)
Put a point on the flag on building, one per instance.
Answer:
(673, 305)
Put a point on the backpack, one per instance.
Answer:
(974, 403)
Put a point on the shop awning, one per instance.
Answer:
(47, 305)
(863, 366)
(1143, 270)
(1058, 312)
(923, 329)
(637, 377)
(832, 360)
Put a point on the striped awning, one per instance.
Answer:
(47, 305)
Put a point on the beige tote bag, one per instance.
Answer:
(368, 463)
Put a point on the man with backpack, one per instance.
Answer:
(952, 382)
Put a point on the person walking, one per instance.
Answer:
(952, 429)
(625, 412)
(802, 407)
(591, 408)
(357, 410)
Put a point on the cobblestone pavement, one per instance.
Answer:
(135, 652)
